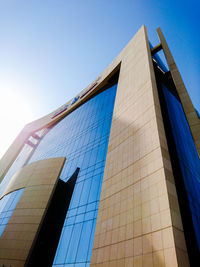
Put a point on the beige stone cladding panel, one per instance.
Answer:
(138, 211)
(39, 180)
(193, 120)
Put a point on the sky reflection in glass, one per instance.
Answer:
(82, 137)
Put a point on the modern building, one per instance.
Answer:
(111, 178)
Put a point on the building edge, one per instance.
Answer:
(191, 115)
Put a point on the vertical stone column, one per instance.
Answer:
(139, 221)
(193, 120)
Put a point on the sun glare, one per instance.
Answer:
(14, 114)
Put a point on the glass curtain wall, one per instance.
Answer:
(17, 164)
(7, 206)
(188, 156)
(82, 137)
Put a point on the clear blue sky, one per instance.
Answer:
(52, 49)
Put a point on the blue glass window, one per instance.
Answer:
(188, 156)
(82, 137)
(17, 164)
(7, 206)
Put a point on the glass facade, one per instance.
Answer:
(188, 156)
(17, 164)
(82, 137)
(20, 161)
(7, 206)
